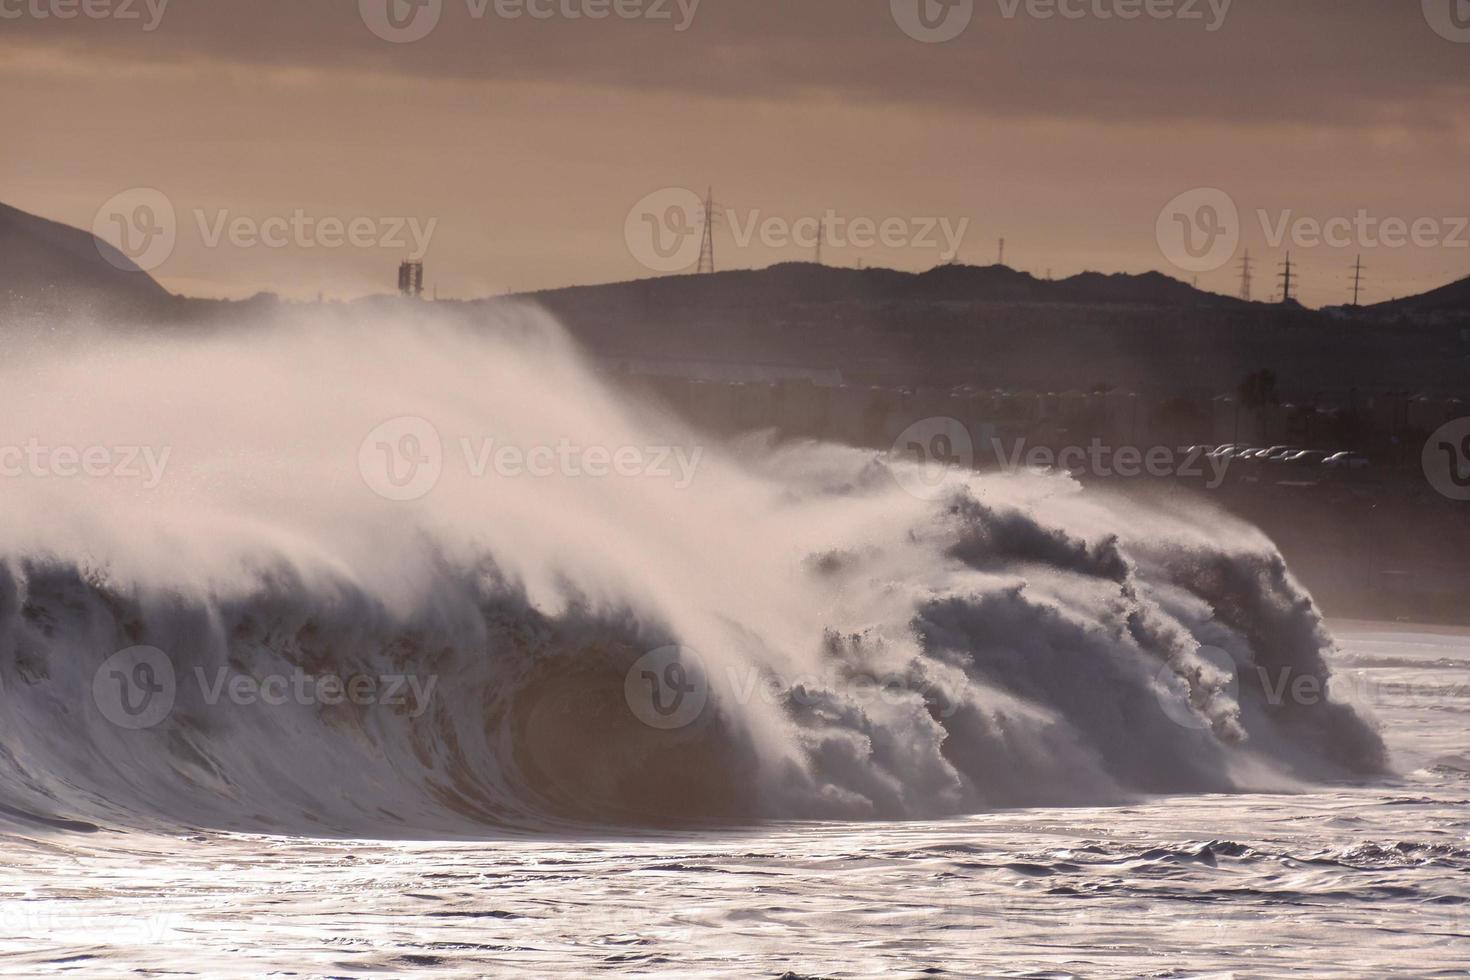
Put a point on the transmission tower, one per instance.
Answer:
(1245, 276)
(1002, 258)
(821, 234)
(411, 279)
(1286, 280)
(1357, 280)
(707, 243)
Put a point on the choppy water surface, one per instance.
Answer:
(927, 720)
(1370, 880)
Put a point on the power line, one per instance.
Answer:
(1245, 276)
(707, 243)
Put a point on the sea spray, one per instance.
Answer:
(858, 651)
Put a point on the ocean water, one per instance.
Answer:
(365, 648)
(1370, 880)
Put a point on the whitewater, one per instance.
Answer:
(358, 643)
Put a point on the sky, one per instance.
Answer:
(308, 148)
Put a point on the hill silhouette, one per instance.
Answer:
(48, 265)
(1453, 299)
(954, 324)
(805, 282)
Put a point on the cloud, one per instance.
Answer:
(1312, 62)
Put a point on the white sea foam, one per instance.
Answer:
(861, 652)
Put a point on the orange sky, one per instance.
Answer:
(519, 145)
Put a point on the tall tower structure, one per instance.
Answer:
(1245, 276)
(707, 243)
(411, 279)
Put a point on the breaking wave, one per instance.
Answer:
(372, 621)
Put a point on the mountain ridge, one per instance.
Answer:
(48, 264)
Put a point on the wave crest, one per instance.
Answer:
(860, 652)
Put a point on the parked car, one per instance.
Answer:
(1278, 453)
(1346, 461)
(1307, 457)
